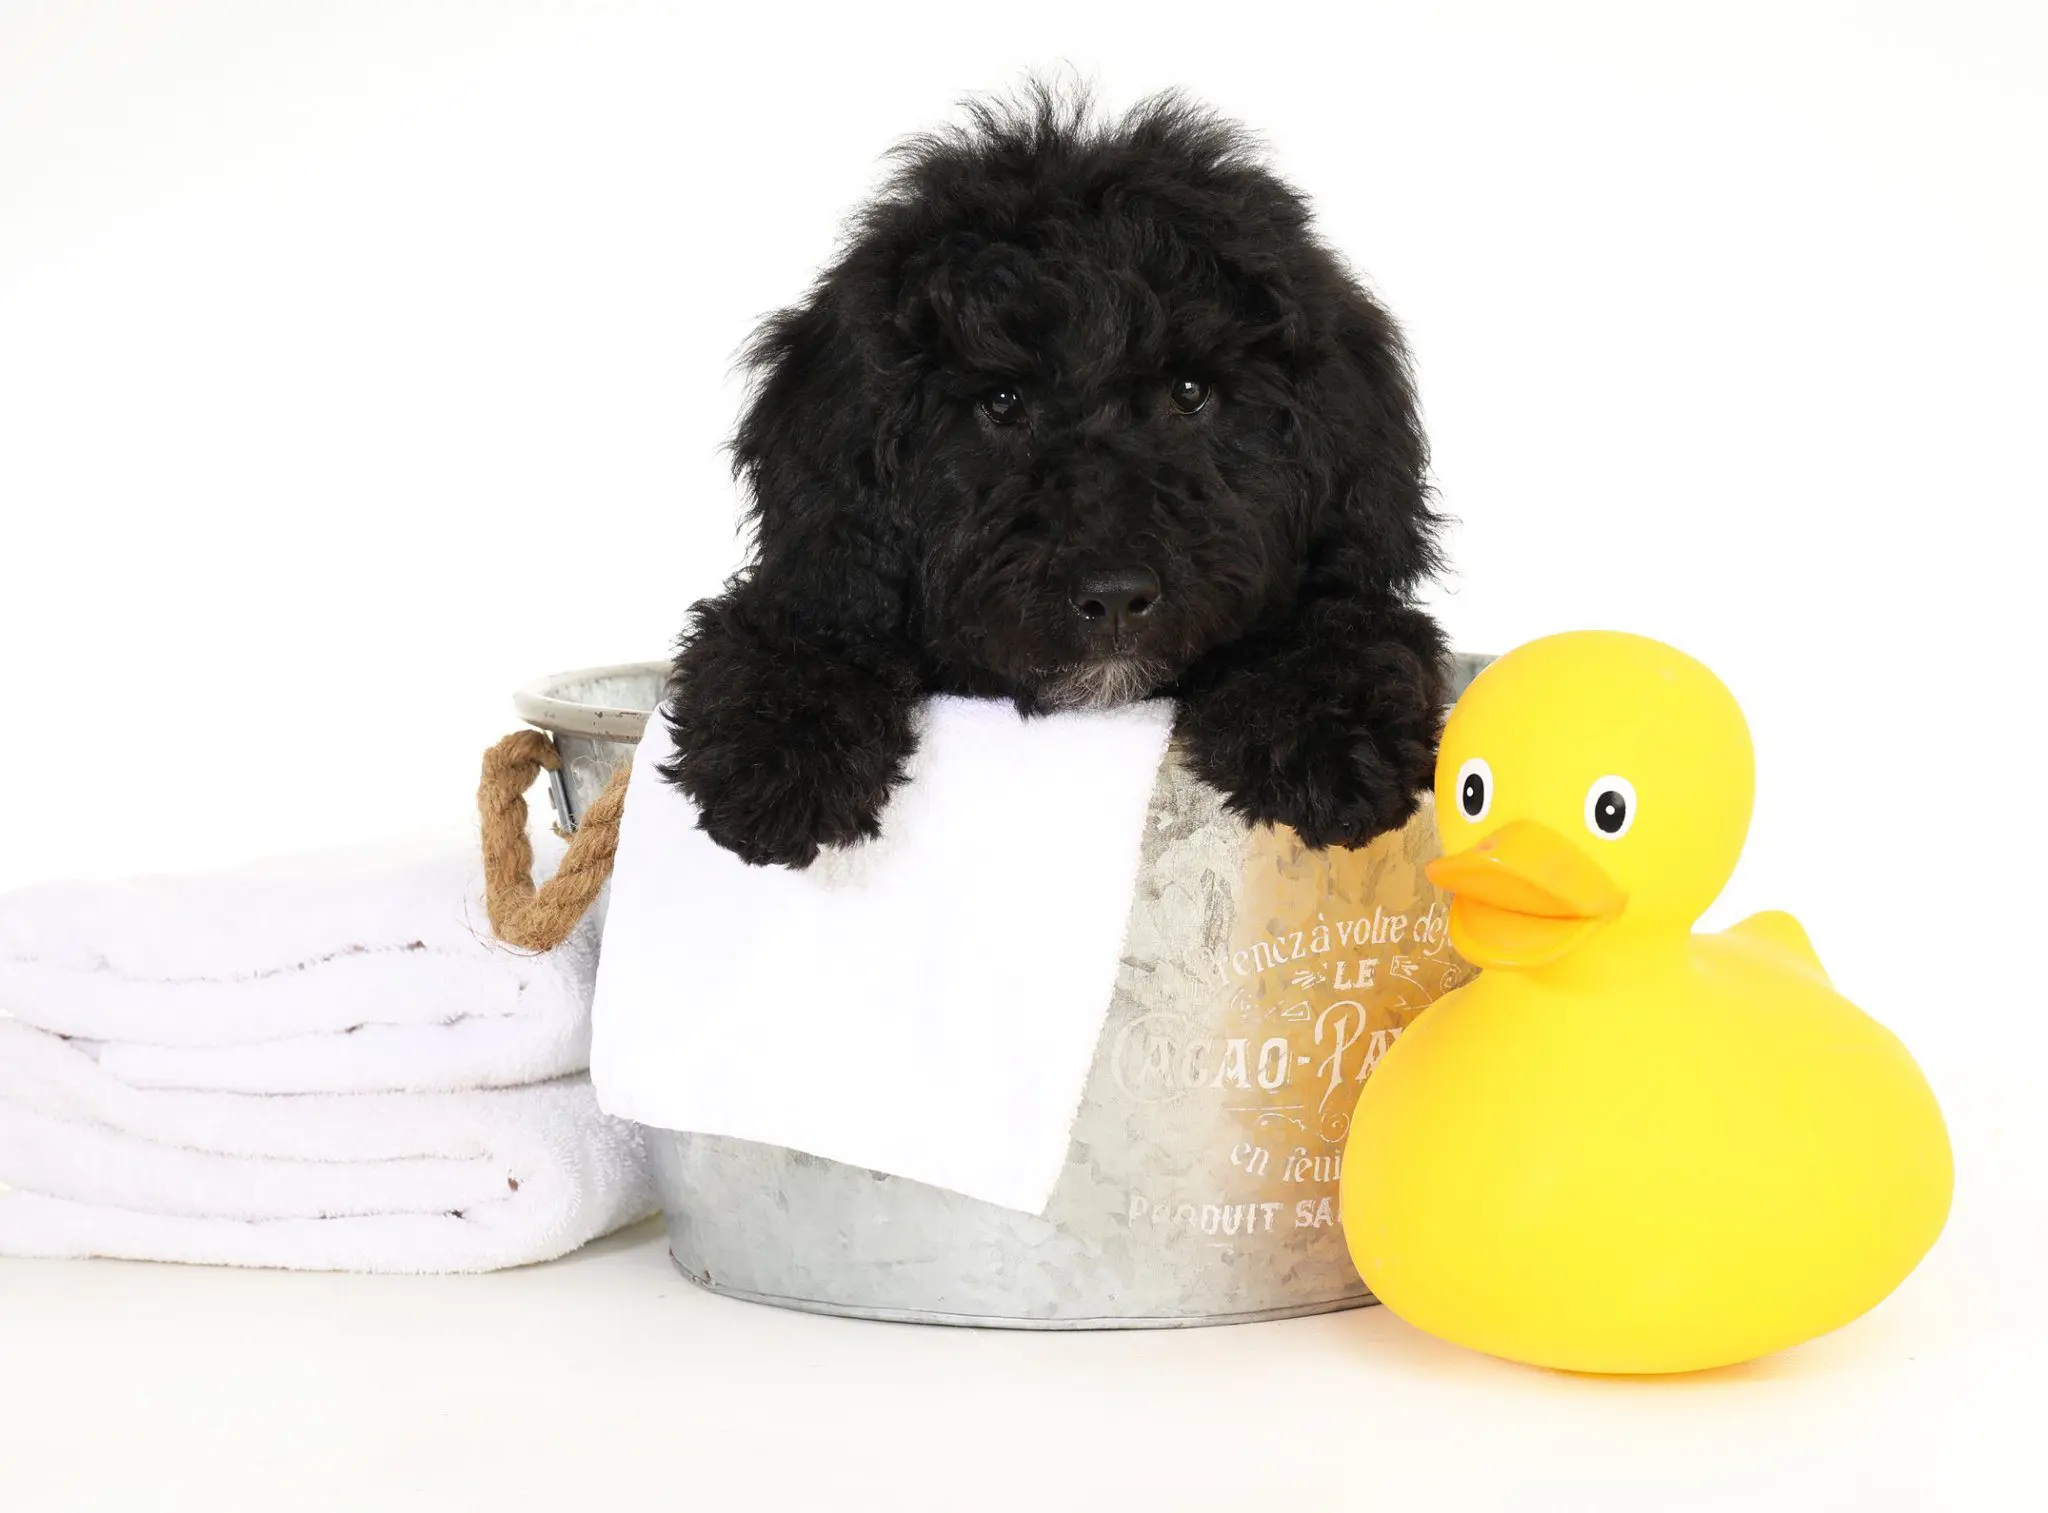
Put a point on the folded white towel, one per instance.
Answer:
(322, 975)
(927, 1004)
(413, 1182)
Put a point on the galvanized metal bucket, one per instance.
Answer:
(1259, 983)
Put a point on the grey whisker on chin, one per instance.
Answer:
(1107, 684)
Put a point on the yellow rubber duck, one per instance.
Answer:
(1626, 1147)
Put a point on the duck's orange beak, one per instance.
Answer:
(1523, 896)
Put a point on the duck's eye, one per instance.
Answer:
(1188, 394)
(1610, 807)
(1004, 406)
(1475, 789)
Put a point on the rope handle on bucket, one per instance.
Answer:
(539, 919)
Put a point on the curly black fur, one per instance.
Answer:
(984, 405)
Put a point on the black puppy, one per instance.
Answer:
(1081, 415)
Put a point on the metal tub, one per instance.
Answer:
(1259, 983)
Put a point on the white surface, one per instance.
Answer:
(908, 957)
(606, 1380)
(357, 364)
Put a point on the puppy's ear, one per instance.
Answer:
(1372, 528)
(830, 544)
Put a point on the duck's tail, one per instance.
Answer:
(1782, 937)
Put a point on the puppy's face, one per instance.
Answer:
(1104, 391)
(1102, 475)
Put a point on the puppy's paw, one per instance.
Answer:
(1341, 753)
(773, 794)
(784, 751)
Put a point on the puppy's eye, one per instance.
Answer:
(1004, 406)
(1188, 394)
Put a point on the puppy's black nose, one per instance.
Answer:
(1110, 600)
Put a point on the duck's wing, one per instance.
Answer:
(1782, 937)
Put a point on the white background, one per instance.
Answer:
(358, 363)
